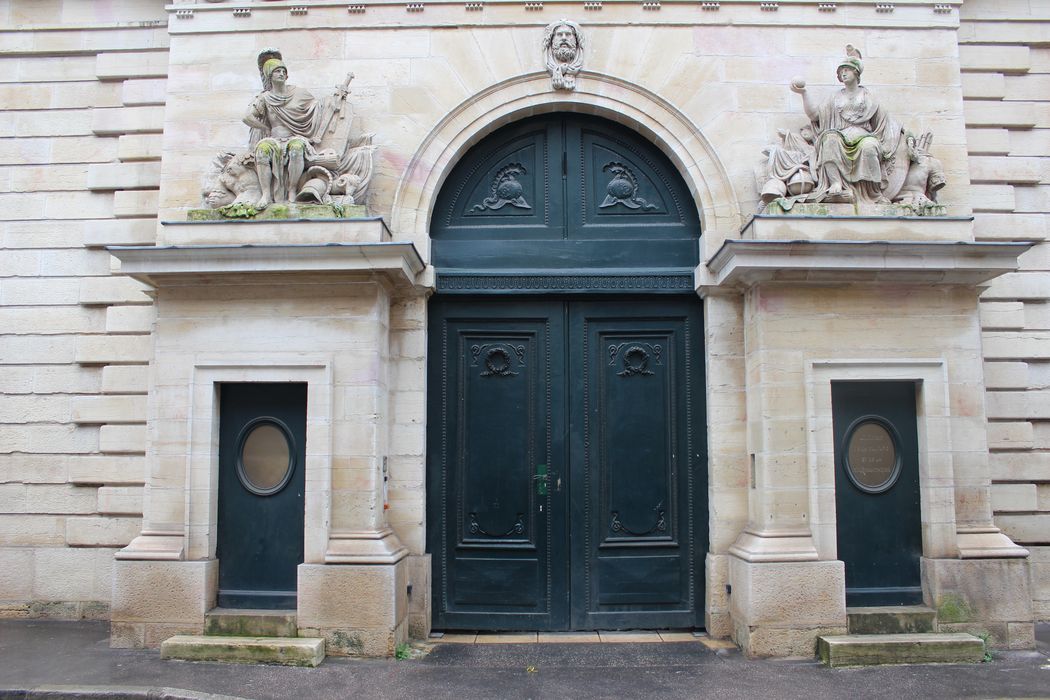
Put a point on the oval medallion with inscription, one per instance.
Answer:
(873, 459)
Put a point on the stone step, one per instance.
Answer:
(891, 619)
(232, 622)
(923, 648)
(285, 651)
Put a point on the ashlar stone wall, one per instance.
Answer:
(89, 108)
(82, 100)
(1004, 50)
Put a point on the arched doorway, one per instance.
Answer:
(566, 429)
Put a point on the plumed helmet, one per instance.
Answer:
(852, 60)
(269, 59)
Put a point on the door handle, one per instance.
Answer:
(542, 479)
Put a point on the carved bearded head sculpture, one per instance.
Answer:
(563, 53)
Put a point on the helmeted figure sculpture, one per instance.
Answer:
(851, 151)
(295, 148)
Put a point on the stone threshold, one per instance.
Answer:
(599, 637)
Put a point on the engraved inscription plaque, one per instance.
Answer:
(872, 456)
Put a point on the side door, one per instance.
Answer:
(262, 453)
(877, 491)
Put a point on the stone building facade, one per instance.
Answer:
(123, 319)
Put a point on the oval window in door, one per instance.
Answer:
(872, 455)
(265, 456)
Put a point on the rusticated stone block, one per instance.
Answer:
(361, 610)
(983, 592)
(160, 592)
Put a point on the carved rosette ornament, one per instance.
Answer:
(563, 53)
(851, 151)
(300, 149)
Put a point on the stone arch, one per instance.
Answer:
(598, 94)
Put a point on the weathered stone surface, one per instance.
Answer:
(283, 651)
(101, 532)
(419, 600)
(163, 591)
(112, 290)
(892, 619)
(220, 622)
(125, 379)
(978, 590)
(928, 648)
(290, 211)
(120, 500)
(362, 610)
(89, 410)
(123, 232)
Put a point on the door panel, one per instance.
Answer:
(634, 464)
(564, 194)
(523, 462)
(877, 491)
(490, 429)
(260, 519)
(507, 187)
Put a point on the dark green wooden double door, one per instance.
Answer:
(566, 467)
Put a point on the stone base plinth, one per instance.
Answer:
(280, 211)
(717, 617)
(989, 597)
(360, 609)
(782, 207)
(154, 600)
(780, 608)
(419, 601)
(219, 231)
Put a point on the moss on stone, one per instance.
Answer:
(279, 212)
(953, 608)
(340, 642)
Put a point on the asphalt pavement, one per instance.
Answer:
(53, 659)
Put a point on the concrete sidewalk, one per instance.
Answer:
(37, 654)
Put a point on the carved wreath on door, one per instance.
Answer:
(635, 358)
(498, 358)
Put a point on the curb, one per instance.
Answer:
(108, 692)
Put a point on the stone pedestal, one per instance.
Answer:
(360, 610)
(153, 600)
(780, 608)
(982, 596)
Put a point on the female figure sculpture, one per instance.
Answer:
(857, 142)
